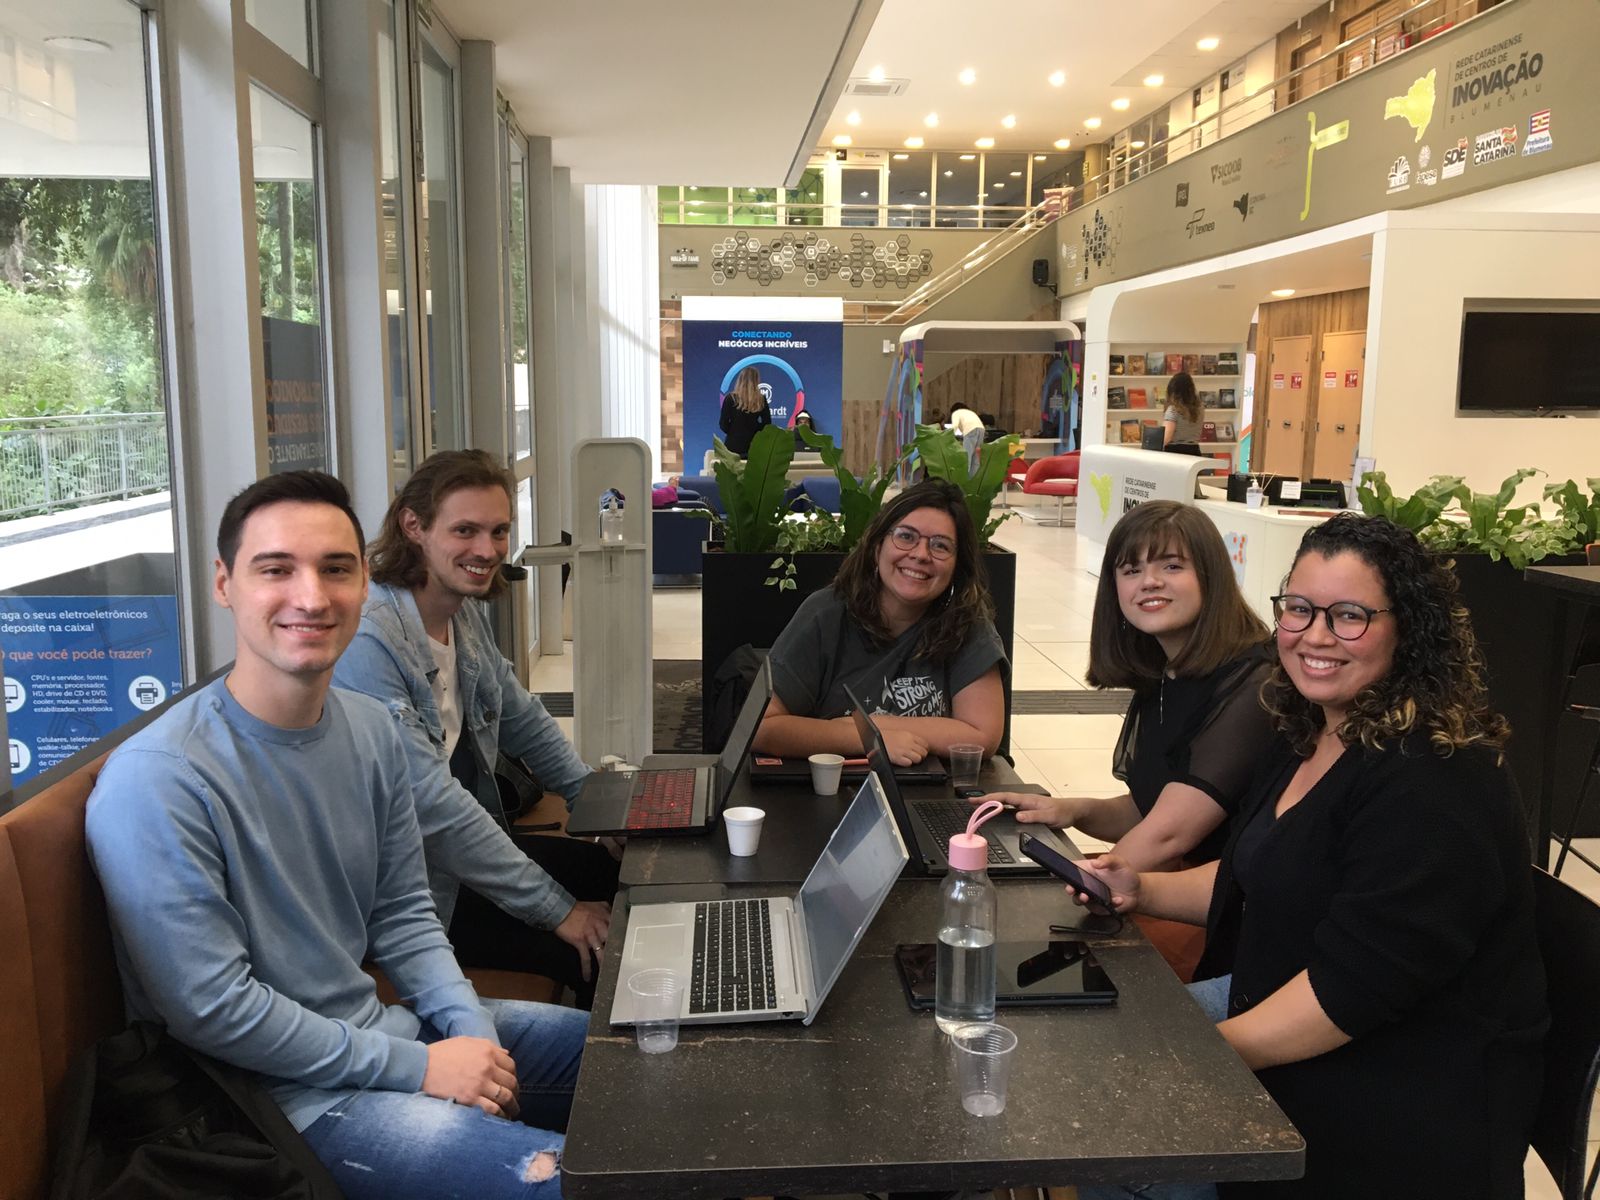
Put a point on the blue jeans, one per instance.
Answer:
(381, 1145)
(1212, 997)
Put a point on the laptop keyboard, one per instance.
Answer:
(946, 818)
(732, 957)
(662, 800)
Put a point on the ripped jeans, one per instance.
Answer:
(381, 1145)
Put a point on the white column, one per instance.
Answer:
(626, 295)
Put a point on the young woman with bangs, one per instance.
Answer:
(1171, 624)
(908, 625)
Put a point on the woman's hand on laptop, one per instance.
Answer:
(585, 929)
(1059, 812)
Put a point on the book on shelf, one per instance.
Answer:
(1208, 431)
(1135, 364)
(1227, 398)
(1117, 365)
(1226, 430)
(1208, 400)
(1138, 398)
(1116, 397)
(1208, 364)
(1191, 363)
(1228, 362)
(1174, 363)
(1131, 432)
(1154, 362)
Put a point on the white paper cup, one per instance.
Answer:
(825, 771)
(658, 1000)
(744, 830)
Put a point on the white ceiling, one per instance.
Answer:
(633, 91)
(1106, 49)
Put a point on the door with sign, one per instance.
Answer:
(1338, 421)
(1283, 447)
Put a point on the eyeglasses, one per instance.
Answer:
(1346, 619)
(905, 537)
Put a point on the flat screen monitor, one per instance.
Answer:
(1152, 437)
(1529, 362)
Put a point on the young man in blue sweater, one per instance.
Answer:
(260, 839)
(425, 649)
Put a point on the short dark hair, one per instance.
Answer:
(299, 487)
(965, 605)
(396, 560)
(1122, 656)
(1435, 685)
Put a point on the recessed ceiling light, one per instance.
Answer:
(924, 195)
(1057, 78)
(1208, 43)
(1283, 293)
(947, 174)
(1137, 145)
(968, 76)
(984, 143)
(1038, 158)
(876, 74)
(82, 45)
(1016, 174)
(1121, 103)
(931, 120)
(968, 157)
(999, 185)
(863, 195)
(841, 139)
(1059, 144)
(852, 118)
(901, 157)
(693, 188)
(1009, 121)
(1091, 122)
(1154, 80)
(913, 143)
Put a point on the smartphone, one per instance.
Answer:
(1038, 974)
(1067, 870)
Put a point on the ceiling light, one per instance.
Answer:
(1154, 80)
(1283, 293)
(1057, 78)
(1016, 174)
(968, 76)
(1091, 122)
(1059, 144)
(852, 118)
(1038, 158)
(947, 174)
(931, 120)
(841, 139)
(863, 195)
(876, 74)
(968, 157)
(1137, 145)
(1121, 103)
(901, 157)
(913, 143)
(1009, 121)
(998, 186)
(82, 45)
(1208, 43)
(984, 143)
(924, 195)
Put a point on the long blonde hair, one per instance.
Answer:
(747, 391)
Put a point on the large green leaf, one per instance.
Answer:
(859, 499)
(760, 487)
(942, 454)
(993, 462)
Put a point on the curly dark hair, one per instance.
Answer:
(950, 620)
(1435, 685)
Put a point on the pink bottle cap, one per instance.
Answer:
(969, 851)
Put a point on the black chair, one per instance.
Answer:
(1569, 940)
(1588, 713)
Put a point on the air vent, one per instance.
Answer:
(876, 87)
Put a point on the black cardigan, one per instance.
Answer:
(1402, 883)
(739, 428)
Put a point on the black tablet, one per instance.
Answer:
(1039, 974)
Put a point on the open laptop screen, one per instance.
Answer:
(842, 894)
(744, 727)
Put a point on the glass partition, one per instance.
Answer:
(395, 252)
(439, 215)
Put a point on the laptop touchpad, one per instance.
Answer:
(656, 942)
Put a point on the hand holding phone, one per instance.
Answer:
(1068, 872)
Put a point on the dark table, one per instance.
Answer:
(1574, 643)
(865, 1098)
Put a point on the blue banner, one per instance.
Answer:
(801, 365)
(77, 667)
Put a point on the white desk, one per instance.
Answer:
(1261, 543)
(1114, 478)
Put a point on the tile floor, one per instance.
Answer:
(1055, 601)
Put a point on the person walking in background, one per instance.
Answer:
(745, 412)
(963, 421)
(1184, 412)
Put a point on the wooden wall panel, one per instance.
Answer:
(1332, 312)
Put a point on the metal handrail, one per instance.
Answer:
(88, 458)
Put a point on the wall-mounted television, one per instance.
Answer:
(1521, 362)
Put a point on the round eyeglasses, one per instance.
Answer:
(1346, 619)
(905, 537)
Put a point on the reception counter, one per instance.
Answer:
(1261, 543)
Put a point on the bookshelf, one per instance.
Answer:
(1139, 396)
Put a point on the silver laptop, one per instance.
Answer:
(772, 958)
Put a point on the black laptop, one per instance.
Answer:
(928, 825)
(673, 794)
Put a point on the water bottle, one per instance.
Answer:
(964, 981)
(611, 518)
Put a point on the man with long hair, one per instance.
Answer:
(426, 649)
(260, 838)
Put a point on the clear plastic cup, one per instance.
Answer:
(825, 772)
(744, 830)
(983, 1064)
(965, 764)
(658, 1003)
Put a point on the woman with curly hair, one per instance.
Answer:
(1371, 950)
(908, 625)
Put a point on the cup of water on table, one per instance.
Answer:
(983, 1063)
(658, 1001)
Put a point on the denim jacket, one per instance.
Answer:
(464, 843)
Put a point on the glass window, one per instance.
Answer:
(283, 144)
(521, 365)
(910, 184)
(804, 203)
(88, 607)
(1063, 169)
(705, 205)
(439, 215)
(860, 191)
(669, 202)
(957, 178)
(287, 24)
(395, 253)
(755, 206)
(1005, 187)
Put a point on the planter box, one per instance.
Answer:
(1520, 632)
(738, 608)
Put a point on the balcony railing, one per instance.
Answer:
(51, 463)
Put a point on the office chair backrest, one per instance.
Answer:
(1569, 940)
